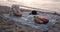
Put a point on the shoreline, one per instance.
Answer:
(5, 23)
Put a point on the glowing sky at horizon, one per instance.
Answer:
(44, 4)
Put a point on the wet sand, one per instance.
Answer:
(11, 26)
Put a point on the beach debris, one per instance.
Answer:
(16, 10)
(34, 12)
(39, 20)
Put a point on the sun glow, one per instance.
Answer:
(44, 4)
(32, 3)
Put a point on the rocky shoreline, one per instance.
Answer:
(11, 26)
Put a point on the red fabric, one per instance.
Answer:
(18, 13)
(42, 20)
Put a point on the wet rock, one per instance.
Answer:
(8, 31)
(21, 31)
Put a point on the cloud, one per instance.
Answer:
(45, 4)
(56, 0)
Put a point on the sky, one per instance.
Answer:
(53, 5)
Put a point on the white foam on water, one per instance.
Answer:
(28, 20)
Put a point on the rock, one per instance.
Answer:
(21, 31)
